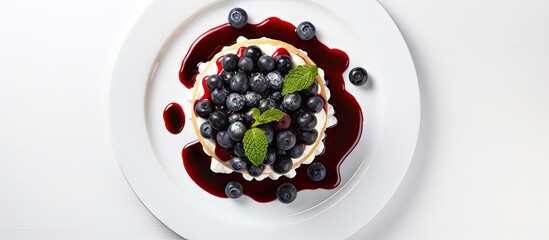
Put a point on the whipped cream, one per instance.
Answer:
(322, 117)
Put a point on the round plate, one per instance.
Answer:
(145, 80)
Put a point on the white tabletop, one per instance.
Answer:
(481, 168)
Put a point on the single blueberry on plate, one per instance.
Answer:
(234, 190)
(283, 123)
(316, 171)
(286, 193)
(238, 163)
(238, 18)
(224, 140)
(358, 76)
(226, 76)
(306, 31)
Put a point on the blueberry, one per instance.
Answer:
(268, 131)
(246, 64)
(235, 101)
(296, 151)
(285, 140)
(314, 104)
(306, 31)
(258, 82)
(276, 96)
(266, 63)
(218, 96)
(238, 149)
(233, 190)
(358, 76)
(283, 123)
(203, 108)
(248, 119)
(238, 18)
(282, 164)
(307, 137)
(252, 98)
(306, 121)
(255, 171)
(275, 79)
(283, 64)
(238, 163)
(291, 101)
(286, 193)
(230, 62)
(316, 171)
(224, 140)
(265, 104)
(270, 157)
(218, 120)
(236, 117)
(236, 131)
(311, 90)
(280, 152)
(214, 81)
(207, 131)
(226, 76)
(239, 83)
(253, 52)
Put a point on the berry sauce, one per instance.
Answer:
(174, 118)
(340, 140)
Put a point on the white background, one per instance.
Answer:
(480, 171)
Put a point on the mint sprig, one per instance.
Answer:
(255, 140)
(268, 116)
(255, 145)
(299, 78)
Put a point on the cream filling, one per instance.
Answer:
(322, 117)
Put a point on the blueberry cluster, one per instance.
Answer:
(255, 81)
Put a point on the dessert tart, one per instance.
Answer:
(320, 118)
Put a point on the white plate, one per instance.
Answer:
(145, 80)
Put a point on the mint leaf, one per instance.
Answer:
(299, 78)
(270, 115)
(255, 145)
(255, 114)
